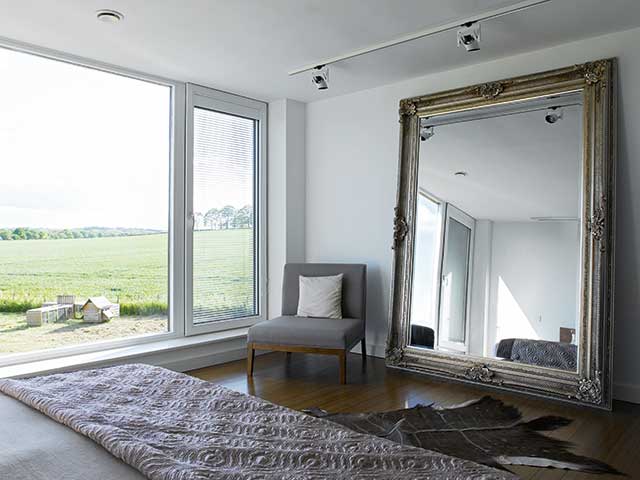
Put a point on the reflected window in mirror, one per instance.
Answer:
(442, 274)
(427, 270)
(455, 279)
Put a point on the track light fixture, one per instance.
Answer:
(553, 115)
(320, 77)
(461, 24)
(469, 36)
(426, 132)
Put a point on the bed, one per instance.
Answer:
(148, 422)
(543, 353)
(35, 447)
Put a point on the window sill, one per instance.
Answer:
(121, 354)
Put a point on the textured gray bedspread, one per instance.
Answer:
(171, 426)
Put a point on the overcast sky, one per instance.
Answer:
(79, 147)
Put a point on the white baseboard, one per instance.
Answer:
(372, 350)
(626, 392)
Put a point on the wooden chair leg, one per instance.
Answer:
(363, 349)
(250, 357)
(342, 358)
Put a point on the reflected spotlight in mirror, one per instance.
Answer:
(426, 132)
(553, 115)
(469, 37)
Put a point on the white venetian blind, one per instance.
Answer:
(224, 237)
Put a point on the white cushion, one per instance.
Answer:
(320, 297)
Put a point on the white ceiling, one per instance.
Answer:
(518, 166)
(248, 46)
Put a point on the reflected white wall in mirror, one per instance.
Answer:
(498, 233)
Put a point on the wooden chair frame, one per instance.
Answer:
(339, 352)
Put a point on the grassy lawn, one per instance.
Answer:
(16, 336)
(223, 273)
(132, 270)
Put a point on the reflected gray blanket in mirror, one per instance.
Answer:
(539, 352)
(172, 426)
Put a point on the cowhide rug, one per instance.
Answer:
(485, 431)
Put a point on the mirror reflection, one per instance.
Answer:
(498, 233)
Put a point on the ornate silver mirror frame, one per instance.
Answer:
(592, 383)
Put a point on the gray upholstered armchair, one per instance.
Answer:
(329, 336)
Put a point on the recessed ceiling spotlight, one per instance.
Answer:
(320, 77)
(109, 16)
(469, 37)
(461, 173)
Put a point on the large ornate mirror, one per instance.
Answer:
(503, 235)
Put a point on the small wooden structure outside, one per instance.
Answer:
(48, 314)
(99, 309)
(66, 299)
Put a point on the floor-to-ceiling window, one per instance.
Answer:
(108, 236)
(224, 198)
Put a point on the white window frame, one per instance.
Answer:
(215, 100)
(176, 225)
(452, 212)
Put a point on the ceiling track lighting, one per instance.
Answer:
(449, 26)
(469, 37)
(109, 16)
(320, 77)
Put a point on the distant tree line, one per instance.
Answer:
(25, 233)
(224, 218)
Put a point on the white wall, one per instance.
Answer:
(285, 194)
(351, 166)
(534, 280)
(480, 288)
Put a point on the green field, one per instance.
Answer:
(131, 270)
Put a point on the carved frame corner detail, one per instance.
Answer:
(408, 108)
(394, 355)
(590, 390)
(593, 72)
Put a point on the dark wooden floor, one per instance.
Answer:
(312, 381)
